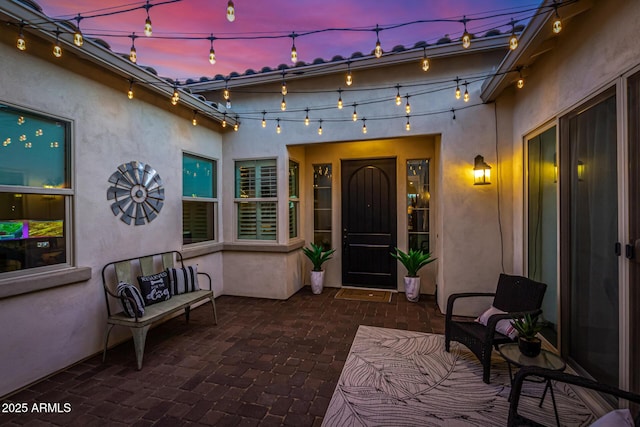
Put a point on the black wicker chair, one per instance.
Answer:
(515, 295)
(516, 419)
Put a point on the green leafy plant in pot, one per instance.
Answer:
(413, 261)
(528, 328)
(317, 256)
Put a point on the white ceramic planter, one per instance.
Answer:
(317, 281)
(412, 288)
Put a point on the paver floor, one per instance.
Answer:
(267, 362)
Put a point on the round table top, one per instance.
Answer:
(546, 358)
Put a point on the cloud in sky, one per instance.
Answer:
(199, 18)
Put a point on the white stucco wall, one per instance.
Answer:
(51, 329)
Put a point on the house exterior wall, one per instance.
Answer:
(51, 329)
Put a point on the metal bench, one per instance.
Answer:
(127, 271)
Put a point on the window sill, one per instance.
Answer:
(199, 249)
(257, 247)
(40, 281)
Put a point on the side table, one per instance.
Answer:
(546, 359)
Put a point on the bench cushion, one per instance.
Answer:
(183, 280)
(155, 288)
(132, 302)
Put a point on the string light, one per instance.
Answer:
(354, 116)
(364, 125)
(520, 81)
(306, 118)
(133, 56)
(264, 121)
(194, 121)
(466, 92)
(294, 51)
(278, 128)
(57, 50)
(236, 125)
(425, 61)
(130, 93)
(407, 107)
(378, 49)
(228, 102)
(212, 52)
(284, 85)
(513, 40)
(283, 104)
(231, 12)
(148, 30)
(557, 22)
(408, 125)
(454, 113)
(349, 76)
(225, 93)
(340, 105)
(21, 44)
(78, 40)
(466, 37)
(320, 128)
(224, 120)
(458, 93)
(398, 97)
(176, 96)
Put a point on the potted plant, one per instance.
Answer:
(413, 262)
(528, 328)
(317, 256)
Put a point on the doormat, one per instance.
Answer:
(364, 295)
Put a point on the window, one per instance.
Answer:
(418, 197)
(294, 198)
(35, 190)
(256, 198)
(322, 205)
(199, 199)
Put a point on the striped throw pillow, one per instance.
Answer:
(131, 309)
(183, 280)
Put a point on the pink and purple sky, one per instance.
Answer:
(199, 18)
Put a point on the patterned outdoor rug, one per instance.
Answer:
(402, 378)
(363, 295)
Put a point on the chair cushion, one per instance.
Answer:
(125, 290)
(617, 418)
(183, 280)
(503, 326)
(155, 288)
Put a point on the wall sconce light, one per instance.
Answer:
(481, 172)
(580, 170)
(555, 168)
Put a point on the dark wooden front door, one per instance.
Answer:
(369, 223)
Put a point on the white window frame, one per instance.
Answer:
(212, 200)
(255, 200)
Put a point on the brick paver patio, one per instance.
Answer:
(267, 362)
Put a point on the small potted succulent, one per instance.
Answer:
(528, 328)
(317, 256)
(413, 262)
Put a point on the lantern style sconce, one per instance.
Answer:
(580, 170)
(481, 172)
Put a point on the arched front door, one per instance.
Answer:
(369, 223)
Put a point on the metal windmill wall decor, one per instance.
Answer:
(137, 193)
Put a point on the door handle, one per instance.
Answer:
(632, 249)
(618, 249)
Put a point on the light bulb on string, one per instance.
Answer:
(133, 55)
(340, 105)
(236, 125)
(225, 93)
(231, 12)
(513, 40)
(21, 44)
(148, 30)
(264, 121)
(224, 120)
(194, 121)
(354, 116)
(408, 125)
(294, 51)
(407, 107)
(466, 92)
(130, 92)
(520, 81)
(176, 96)
(212, 52)
(283, 89)
(425, 61)
(557, 22)
(398, 97)
(364, 125)
(278, 128)
(378, 49)
(306, 118)
(458, 93)
(349, 80)
(283, 104)
(78, 40)
(320, 128)
(466, 37)
(57, 50)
